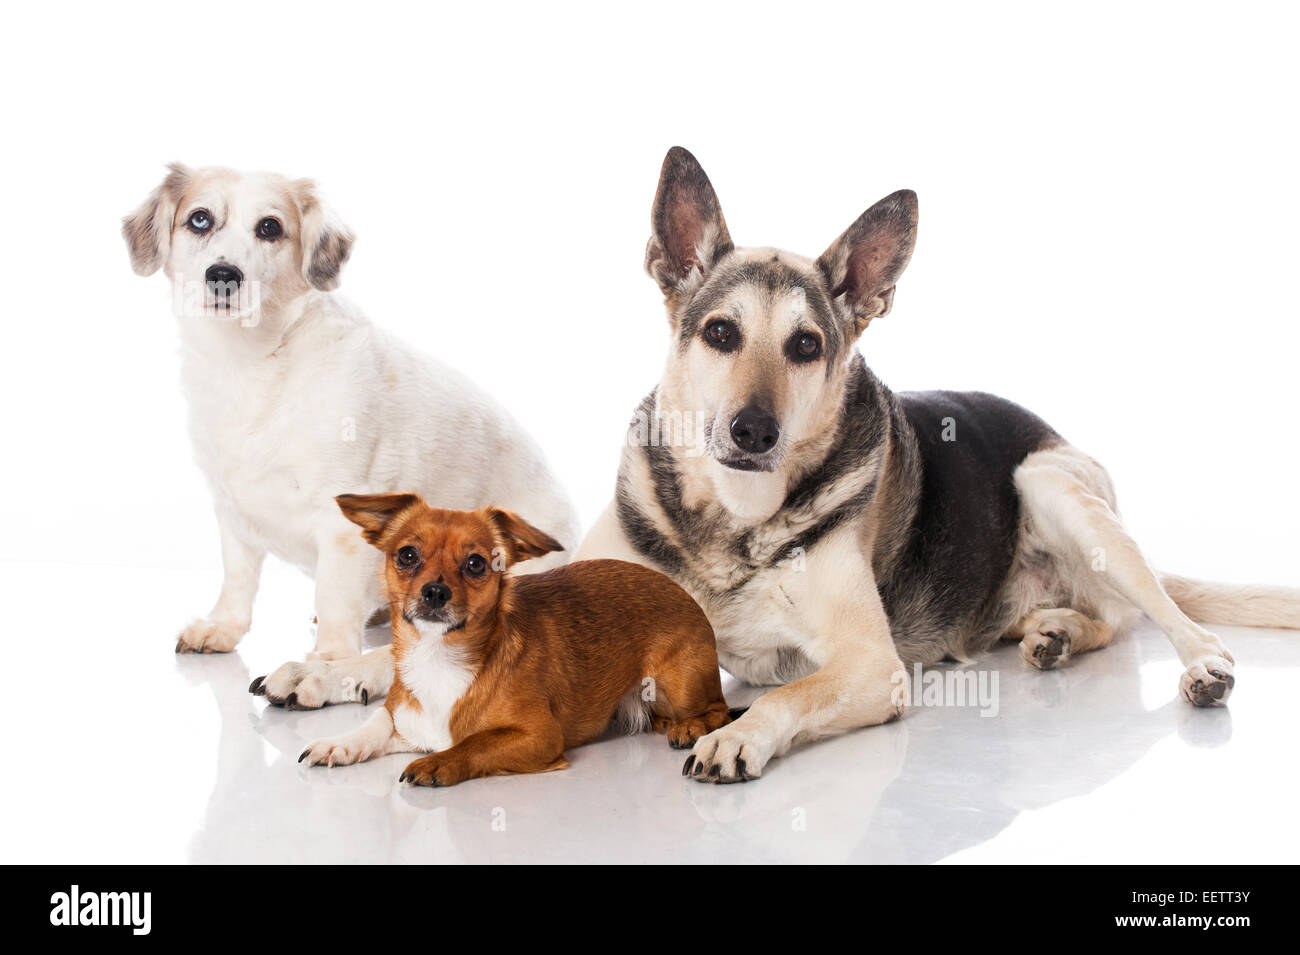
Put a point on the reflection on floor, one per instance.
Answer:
(144, 756)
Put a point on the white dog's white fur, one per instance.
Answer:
(296, 397)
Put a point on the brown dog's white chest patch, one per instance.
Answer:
(437, 677)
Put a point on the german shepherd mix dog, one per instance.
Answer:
(834, 531)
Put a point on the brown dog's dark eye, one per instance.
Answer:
(722, 335)
(200, 221)
(269, 229)
(804, 346)
(407, 557)
(475, 565)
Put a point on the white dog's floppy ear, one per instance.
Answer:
(148, 230)
(865, 263)
(326, 242)
(687, 232)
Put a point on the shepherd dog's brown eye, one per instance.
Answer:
(269, 229)
(804, 346)
(722, 334)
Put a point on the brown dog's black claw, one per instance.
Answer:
(365, 696)
(304, 754)
(688, 765)
(742, 771)
(715, 770)
(256, 687)
(291, 701)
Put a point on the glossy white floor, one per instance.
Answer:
(120, 751)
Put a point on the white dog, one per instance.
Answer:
(296, 397)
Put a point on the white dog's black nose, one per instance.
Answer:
(435, 595)
(223, 280)
(755, 430)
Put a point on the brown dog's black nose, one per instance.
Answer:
(223, 280)
(755, 430)
(435, 595)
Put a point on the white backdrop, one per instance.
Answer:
(1108, 226)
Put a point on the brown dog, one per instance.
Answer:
(498, 674)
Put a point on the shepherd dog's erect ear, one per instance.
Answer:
(326, 242)
(374, 512)
(687, 232)
(148, 230)
(865, 263)
(522, 540)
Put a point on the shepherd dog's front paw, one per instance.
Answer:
(733, 754)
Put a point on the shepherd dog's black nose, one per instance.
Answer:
(223, 280)
(755, 430)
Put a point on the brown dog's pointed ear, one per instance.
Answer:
(687, 232)
(326, 242)
(374, 512)
(865, 263)
(148, 230)
(522, 540)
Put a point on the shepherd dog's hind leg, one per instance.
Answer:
(1068, 499)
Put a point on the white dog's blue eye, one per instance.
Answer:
(200, 220)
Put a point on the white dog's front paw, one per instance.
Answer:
(1207, 682)
(734, 754)
(338, 752)
(209, 636)
(311, 685)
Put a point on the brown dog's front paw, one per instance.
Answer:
(429, 771)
